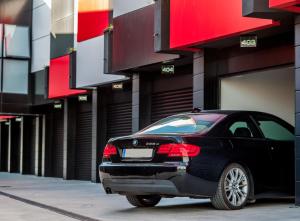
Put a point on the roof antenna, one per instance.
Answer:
(196, 110)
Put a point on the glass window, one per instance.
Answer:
(183, 124)
(240, 129)
(16, 41)
(15, 76)
(274, 130)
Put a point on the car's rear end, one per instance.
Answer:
(155, 163)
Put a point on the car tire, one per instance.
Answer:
(143, 201)
(233, 189)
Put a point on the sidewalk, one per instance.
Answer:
(88, 199)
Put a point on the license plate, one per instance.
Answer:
(137, 153)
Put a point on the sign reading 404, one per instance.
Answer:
(249, 41)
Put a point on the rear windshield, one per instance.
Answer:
(183, 124)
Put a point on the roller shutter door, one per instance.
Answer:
(4, 146)
(119, 119)
(269, 90)
(171, 95)
(57, 144)
(167, 103)
(32, 146)
(83, 145)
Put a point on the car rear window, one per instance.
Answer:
(183, 124)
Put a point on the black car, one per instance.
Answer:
(231, 157)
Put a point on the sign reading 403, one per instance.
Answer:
(249, 41)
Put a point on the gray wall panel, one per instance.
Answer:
(90, 62)
(122, 7)
(41, 27)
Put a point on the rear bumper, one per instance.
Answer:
(161, 179)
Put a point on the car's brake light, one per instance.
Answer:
(179, 150)
(109, 151)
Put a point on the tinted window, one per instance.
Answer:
(274, 130)
(240, 128)
(183, 124)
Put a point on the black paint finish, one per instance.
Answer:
(270, 163)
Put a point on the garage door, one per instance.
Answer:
(119, 114)
(171, 96)
(4, 146)
(32, 135)
(83, 142)
(57, 144)
(270, 91)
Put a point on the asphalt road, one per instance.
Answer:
(36, 198)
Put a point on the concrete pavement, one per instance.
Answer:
(89, 200)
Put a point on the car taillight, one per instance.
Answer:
(179, 150)
(109, 151)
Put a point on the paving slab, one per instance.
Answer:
(88, 199)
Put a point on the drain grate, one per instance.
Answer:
(5, 186)
(50, 208)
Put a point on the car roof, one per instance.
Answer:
(224, 112)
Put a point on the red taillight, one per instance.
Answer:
(109, 150)
(179, 150)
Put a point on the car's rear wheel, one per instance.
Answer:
(143, 201)
(233, 189)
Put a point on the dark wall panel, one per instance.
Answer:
(131, 46)
(16, 12)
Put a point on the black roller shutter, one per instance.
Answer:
(84, 144)
(171, 95)
(167, 103)
(119, 119)
(32, 146)
(57, 144)
(4, 146)
(15, 146)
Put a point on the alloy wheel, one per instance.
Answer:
(236, 186)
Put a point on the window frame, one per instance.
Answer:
(252, 126)
(281, 122)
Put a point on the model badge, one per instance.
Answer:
(135, 142)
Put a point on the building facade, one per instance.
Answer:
(75, 73)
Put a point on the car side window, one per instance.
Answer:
(273, 130)
(241, 128)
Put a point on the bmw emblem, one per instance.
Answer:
(135, 142)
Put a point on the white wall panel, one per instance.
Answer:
(125, 6)
(40, 54)
(41, 27)
(271, 91)
(41, 21)
(90, 63)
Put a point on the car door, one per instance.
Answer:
(280, 138)
(250, 148)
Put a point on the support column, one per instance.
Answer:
(135, 103)
(95, 136)
(198, 80)
(69, 139)
(37, 147)
(43, 146)
(297, 92)
(9, 148)
(22, 147)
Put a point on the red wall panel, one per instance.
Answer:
(193, 22)
(282, 3)
(288, 5)
(92, 24)
(59, 73)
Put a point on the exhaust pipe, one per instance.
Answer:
(108, 190)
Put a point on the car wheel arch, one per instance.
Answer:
(252, 189)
